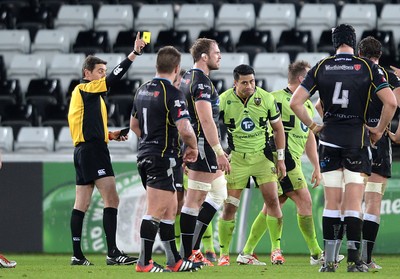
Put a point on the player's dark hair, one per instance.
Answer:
(242, 70)
(296, 69)
(90, 63)
(200, 46)
(370, 47)
(344, 34)
(168, 58)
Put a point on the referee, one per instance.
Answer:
(87, 118)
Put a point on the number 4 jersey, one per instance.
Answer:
(345, 84)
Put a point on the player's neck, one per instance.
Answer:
(202, 67)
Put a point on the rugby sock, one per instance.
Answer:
(331, 225)
(275, 226)
(177, 229)
(76, 232)
(339, 237)
(148, 232)
(369, 233)
(225, 232)
(168, 239)
(353, 233)
(205, 217)
(110, 229)
(258, 229)
(306, 226)
(188, 224)
(208, 239)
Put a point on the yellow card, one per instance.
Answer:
(146, 37)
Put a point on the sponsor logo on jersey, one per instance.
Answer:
(200, 86)
(177, 104)
(117, 70)
(182, 112)
(356, 67)
(247, 124)
(257, 101)
(204, 95)
(156, 93)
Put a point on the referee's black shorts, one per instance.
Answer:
(92, 161)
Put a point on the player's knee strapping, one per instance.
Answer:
(353, 177)
(218, 192)
(375, 187)
(232, 200)
(198, 185)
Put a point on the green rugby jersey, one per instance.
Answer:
(296, 132)
(247, 121)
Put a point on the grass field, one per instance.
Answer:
(46, 266)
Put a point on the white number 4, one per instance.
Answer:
(344, 99)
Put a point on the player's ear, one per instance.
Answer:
(203, 55)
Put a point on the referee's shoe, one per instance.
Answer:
(120, 258)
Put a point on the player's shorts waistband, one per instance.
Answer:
(246, 154)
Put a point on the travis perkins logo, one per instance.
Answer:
(355, 67)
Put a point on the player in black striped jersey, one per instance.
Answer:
(345, 84)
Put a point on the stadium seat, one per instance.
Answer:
(10, 93)
(254, 41)
(42, 92)
(35, 140)
(50, 42)
(7, 18)
(278, 83)
(294, 41)
(271, 66)
(311, 57)
(223, 38)
(114, 18)
(74, 18)
(276, 18)
(390, 20)
(123, 147)
(34, 18)
(235, 18)
(179, 39)
(361, 16)
(14, 42)
(90, 42)
(194, 18)
(25, 67)
(112, 59)
(186, 61)
(17, 116)
(325, 42)
(55, 116)
(125, 41)
(317, 18)
(228, 62)
(66, 66)
(153, 18)
(63, 143)
(6, 139)
(144, 68)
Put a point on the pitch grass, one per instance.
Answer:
(45, 266)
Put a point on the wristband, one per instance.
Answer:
(218, 149)
(280, 154)
(137, 53)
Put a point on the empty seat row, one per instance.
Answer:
(43, 139)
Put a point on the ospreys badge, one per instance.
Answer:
(257, 101)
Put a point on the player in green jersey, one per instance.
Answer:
(294, 185)
(246, 111)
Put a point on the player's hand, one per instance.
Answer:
(223, 163)
(281, 169)
(317, 129)
(316, 177)
(115, 135)
(395, 70)
(392, 136)
(190, 155)
(374, 135)
(139, 43)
